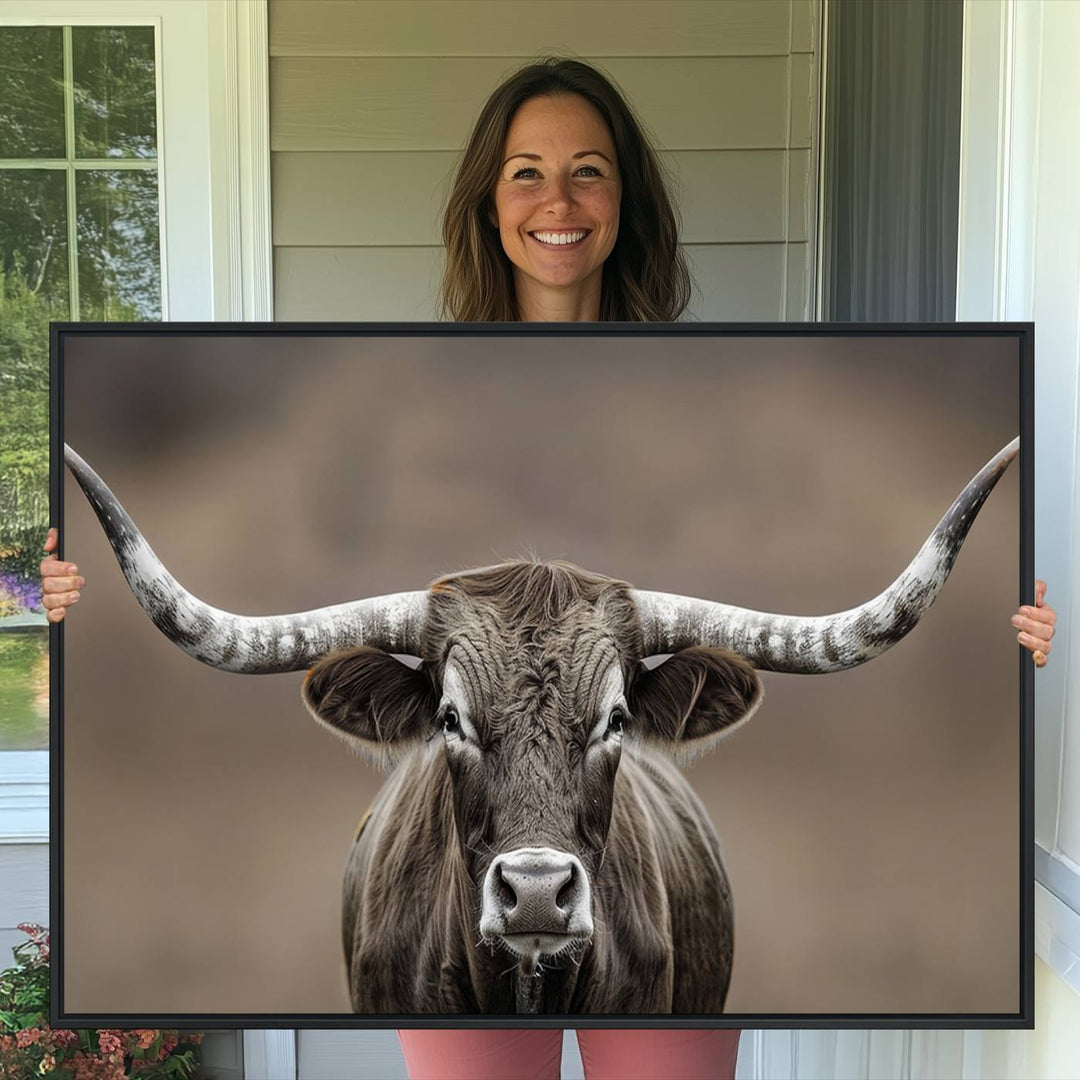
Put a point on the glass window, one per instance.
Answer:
(79, 239)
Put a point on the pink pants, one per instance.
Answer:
(535, 1054)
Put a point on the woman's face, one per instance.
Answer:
(558, 191)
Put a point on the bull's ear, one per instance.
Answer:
(693, 699)
(380, 705)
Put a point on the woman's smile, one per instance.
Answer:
(560, 240)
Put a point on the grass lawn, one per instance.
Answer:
(24, 690)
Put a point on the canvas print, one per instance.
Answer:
(557, 598)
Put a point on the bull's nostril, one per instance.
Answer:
(565, 895)
(507, 896)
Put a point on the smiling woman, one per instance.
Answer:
(559, 210)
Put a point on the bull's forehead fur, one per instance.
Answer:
(532, 635)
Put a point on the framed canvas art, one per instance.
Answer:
(566, 675)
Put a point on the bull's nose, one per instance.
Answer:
(536, 891)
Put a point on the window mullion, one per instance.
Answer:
(69, 151)
(82, 163)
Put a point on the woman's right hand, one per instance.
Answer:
(60, 581)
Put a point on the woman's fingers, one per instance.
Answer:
(1035, 644)
(1042, 614)
(61, 584)
(50, 601)
(60, 581)
(51, 566)
(1035, 626)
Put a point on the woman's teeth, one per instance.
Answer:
(558, 238)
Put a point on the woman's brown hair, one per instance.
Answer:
(645, 278)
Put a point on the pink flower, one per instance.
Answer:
(112, 1046)
(91, 1067)
(146, 1037)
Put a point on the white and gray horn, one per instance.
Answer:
(255, 645)
(817, 644)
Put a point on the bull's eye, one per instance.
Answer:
(615, 721)
(450, 722)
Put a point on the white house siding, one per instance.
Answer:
(24, 893)
(371, 102)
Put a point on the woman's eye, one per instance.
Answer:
(529, 173)
(451, 724)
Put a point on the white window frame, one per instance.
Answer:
(214, 213)
(212, 72)
(1017, 225)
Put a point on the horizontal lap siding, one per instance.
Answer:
(597, 28)
(735, 282)
(421, 103)
(24, 893)
(340, 199)
(370, 103)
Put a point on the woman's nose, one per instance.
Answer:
(559, 197)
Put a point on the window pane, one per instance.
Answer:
(33, 289)
(119, 279)
(33, 235)
(119, 264)
(113, 69)
(31, 92)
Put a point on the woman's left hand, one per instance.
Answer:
(1036, 625)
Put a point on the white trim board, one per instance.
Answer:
(1018, 259)
(1057, 936)
(270, 1054)
(238, 35)
(24, 797)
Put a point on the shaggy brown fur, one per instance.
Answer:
(533, 645)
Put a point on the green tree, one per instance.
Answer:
(112, 79)
(114, 118)
(24, 406)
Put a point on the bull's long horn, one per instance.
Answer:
(255, 645)
(814, 644)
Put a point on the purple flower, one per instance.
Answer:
(26, 592)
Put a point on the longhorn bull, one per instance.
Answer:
(534, 805)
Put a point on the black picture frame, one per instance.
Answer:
(1023, 336)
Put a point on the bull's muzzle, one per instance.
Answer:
(536, 901)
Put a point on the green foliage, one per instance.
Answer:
(30, 1048)
(24, 688)
(24, 406)
(117, 211)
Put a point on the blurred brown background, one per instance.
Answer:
(869, 818)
